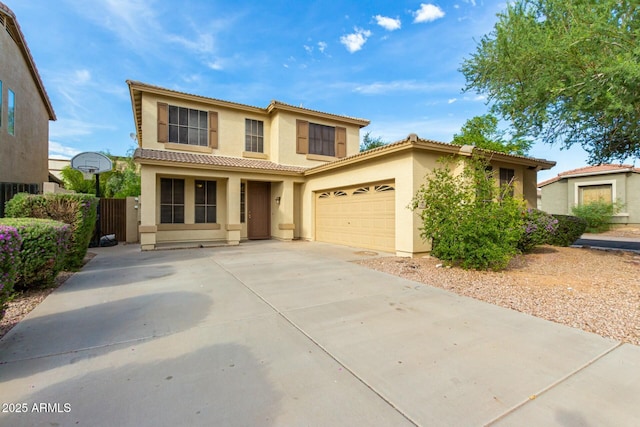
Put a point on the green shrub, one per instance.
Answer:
(539, 228)
(42, 254)
(470, 220)
(10, 243)
(77, 210)
(570, 228)
(597, 214)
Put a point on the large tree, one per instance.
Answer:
(565, 71)
(483, 132)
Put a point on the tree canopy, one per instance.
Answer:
(565, 72)
(121, 182)
(483, 132)
(369, 143)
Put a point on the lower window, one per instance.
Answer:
(205, 201)
(171, 201)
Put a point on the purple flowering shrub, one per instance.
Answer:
(42, 253)
(77, 210)
(10, 242)
(539, 229)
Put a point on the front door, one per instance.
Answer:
(258, 210)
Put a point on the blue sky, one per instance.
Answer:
(394, 63)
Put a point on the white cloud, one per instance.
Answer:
(354, 41)
(123, 18)
(397, 86)
(452, 100)
(216, 65)
(427, 13)
(81, 77)
(322, 46)
(203, 43)
(309, 49)
(387, 23)
(57, 150)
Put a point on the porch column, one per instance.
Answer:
(148, 205)
(286, 226)
(233, 225)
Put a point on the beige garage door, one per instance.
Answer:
(362, 216)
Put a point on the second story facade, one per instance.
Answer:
(280, 133)
(25, 112)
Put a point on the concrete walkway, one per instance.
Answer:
(290, 334)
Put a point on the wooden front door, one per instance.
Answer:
(258, 210)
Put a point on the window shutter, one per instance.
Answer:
(213, 129)
(302, 137)
(341, 142)
(163, 122)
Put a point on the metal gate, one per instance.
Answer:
(113, 218)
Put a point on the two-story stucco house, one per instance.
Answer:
(215, 170)
(25, 111)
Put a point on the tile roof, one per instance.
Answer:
(213, 160)
(273, 105)
(591, 170)
(443, 147)
(14, 30)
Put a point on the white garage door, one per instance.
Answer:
(362, 216)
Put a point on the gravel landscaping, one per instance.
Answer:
(594, 290)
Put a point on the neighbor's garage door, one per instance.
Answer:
(362, 216)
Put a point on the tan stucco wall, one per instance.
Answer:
(279, 131)
(23, 157)
(227, 204)
(400, 168)
(284, 151)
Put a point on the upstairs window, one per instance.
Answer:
(322, 140)
(11, 112)
(312, 138)
(254, 135)
(187, 126)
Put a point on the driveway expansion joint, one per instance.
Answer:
(79, 350)
(554, 384)
(320, 346)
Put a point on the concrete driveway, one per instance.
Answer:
(291, 334)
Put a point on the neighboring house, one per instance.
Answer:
(610, 183)
(25, 111)
(214, 170)
(56, 166)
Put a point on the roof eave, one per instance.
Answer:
(174, 164)
(413, 142)
(280, 106)
(12, 24)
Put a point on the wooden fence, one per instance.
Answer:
(113, 218)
